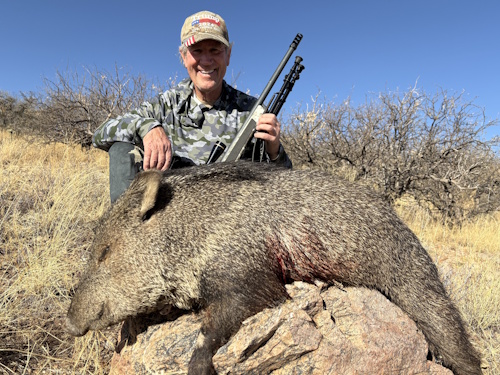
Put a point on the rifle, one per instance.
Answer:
(235, 149)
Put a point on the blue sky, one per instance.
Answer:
(350, 48)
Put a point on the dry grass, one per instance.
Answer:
(50, 198)
(468, 258)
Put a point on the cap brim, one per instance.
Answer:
(203, 36)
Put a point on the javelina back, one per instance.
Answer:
(226, 238)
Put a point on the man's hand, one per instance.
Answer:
(157, 150)
(268, 129)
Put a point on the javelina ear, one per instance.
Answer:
(152, 182)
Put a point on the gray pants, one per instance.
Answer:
(125, 161)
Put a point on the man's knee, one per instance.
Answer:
(125, 161)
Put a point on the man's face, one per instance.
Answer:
(206, 63)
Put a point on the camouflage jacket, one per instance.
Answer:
(192, 127)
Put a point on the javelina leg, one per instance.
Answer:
(226, 311)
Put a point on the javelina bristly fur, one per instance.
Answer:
(224, 239)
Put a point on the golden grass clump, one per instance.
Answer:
(51, 196)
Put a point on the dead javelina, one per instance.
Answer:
(225, 238)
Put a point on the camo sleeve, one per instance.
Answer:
(131, 127)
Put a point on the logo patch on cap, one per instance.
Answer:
(208, 20)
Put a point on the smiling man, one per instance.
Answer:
(180, 128)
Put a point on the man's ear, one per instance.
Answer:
(183, 57)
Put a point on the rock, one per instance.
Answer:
(330, 331)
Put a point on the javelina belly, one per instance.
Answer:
(226, 238)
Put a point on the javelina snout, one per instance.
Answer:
(72, 329)
(123, 277)
(225, 238)
(83, 312)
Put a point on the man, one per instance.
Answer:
(181, 127)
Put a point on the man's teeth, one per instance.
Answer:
(207, 71)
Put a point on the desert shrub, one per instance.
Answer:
(430, 147)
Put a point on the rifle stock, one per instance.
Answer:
(236, 148)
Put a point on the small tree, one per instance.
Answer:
(75, 104)
(15, 111)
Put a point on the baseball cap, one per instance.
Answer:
(204, 25)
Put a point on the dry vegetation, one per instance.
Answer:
(468, 258)
(50, 198)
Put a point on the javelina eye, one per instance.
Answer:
(104, 254)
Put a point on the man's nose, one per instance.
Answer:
(206, 59)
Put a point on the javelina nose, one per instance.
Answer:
(72, 329)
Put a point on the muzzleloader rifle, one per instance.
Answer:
(236, 148)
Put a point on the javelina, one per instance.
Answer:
(225, 239)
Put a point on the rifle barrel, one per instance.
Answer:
(279, 69)
(235, 149)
